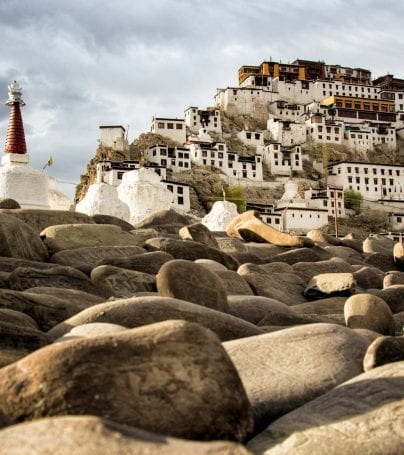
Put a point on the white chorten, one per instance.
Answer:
(143, 193)
(220, 215)
(102, 198)
(18, 181)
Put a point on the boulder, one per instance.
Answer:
(330, 284)
(285, 369)
(369, 277)
(145, 262)
(86, 258)
(220, 216)
(384, 350)
(141, 235)
(297, 255)
(4, 283)
(164, 222)
(143, 310)
(186, 280)
(393, 296)
(318, 236)
(355, 244)
(190, 250)
(94, 329)
(10, 264)
(122, 282)
(154, 378)
(60, 277)
(348, 254)
(211, 265)
(17, 318)
(392, 278)
(8, 203)
(285, 287)
(39, 219)
(367, 311)
(382, 261)
(378, 244)
(276, 267)
(109, 219)
(361, 416)
(256, 230)
(47, 310)
(71, 236)
(198, 233)
(19, 240)
(306, 270)
(265, 251)
(398, 255)
(234, 283)
(89, 435)
(231, 229)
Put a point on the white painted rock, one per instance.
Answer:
(221, 214)
(102, 199)
(144, 194)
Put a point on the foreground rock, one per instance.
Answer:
(282, 370)
(59, 276)
(366, 311)
(398, 255)
(87, 258)
(70, 236)
(191, 251)
(186, 280)
(307, 270)
(149, 378)
(384, 350)
(330, 284)
(362, 416)
(146, 262)
(198, 233)
(139, 311)
(19, 240)
(48, 307)
(89, 435)
(164, 222)
(250, 228)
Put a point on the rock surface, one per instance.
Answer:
(198, 233)
(114, 377)
(361, 416)
(384, 350)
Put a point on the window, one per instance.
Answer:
(160, 125)
(257, 136)
(119, 175)
(178, 126)
(170, 188)
(276, 220)
(248, 135)
(180, 190)
(170, 126)
(399, 219)
(180, 200)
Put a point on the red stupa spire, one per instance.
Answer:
(15, 141)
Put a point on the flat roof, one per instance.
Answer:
(112, 126)
(336, 163)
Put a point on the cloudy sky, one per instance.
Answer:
(85, 63)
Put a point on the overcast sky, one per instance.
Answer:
(85, 63)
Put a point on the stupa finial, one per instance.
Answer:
(14, 94)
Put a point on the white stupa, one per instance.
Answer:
(220, 215)
(19, 181)
(57, 200)
(144, 194)
(102, 198)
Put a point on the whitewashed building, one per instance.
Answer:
(287, 111)
(113, 137)
(283, 160)
(195, 119)
(175, 158)
(174, 129)
(326, 198)
(374, 181)
(321, 130)
(287, 133)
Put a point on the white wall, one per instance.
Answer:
(173, 128)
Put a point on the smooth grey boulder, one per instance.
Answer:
(318, 236)
(234, 283)
(86, 258)
(145, 262)
(213, 266)
(306, 270)
(393, 296)
(378, 244)
(198, 233)
(122, 282)
(398, 255)
(19, 240)
(392, 278)
(47, 310)
(285, 369)
(330, 284)
(286, 287)
(143, 310)
(186, 280)
(384, 350)
(109, 219)
(297, 255)
(8, 203)
(361, 416)
(91, 330)
(60, 277)
(10, 264)
(71, 236)
(276, 267)
(164, 221)
(381, 261)
(90, 435)
(367, 311)
(369, 277)
(153, 377)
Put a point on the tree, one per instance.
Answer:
(353, 200)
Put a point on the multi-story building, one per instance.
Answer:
(326, 198)
(209, 119)
(348, 75)
(287, 111)
(113, 137)
(283, 160)
(376, 182)
(175, 158)
(322, 130)
(286, 132)
(172, 128)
